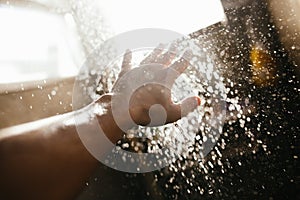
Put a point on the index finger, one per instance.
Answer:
(126, 64)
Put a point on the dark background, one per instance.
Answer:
(247, 172)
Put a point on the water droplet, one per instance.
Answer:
(53, 92)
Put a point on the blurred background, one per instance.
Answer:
(43, 44)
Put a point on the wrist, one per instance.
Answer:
(103, 111)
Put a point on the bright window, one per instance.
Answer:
(37, 44)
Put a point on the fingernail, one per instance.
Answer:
(198, 101)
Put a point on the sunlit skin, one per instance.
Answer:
(45, 159)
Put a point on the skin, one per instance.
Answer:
(46, 159)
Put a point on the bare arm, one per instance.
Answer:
(46, 159)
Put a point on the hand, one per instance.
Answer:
(143, 94)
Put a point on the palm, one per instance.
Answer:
(144, 93)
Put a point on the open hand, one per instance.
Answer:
(143, 94)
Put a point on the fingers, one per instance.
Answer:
(181, 64)
(126, 64)
(183, 108)
(151, 58)
(166, 58)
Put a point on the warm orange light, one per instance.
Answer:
(263, 66)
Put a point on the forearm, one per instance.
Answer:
(46, 159)
(43, 161)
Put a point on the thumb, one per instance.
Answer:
(184, 107)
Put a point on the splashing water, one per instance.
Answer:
(256, 114)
